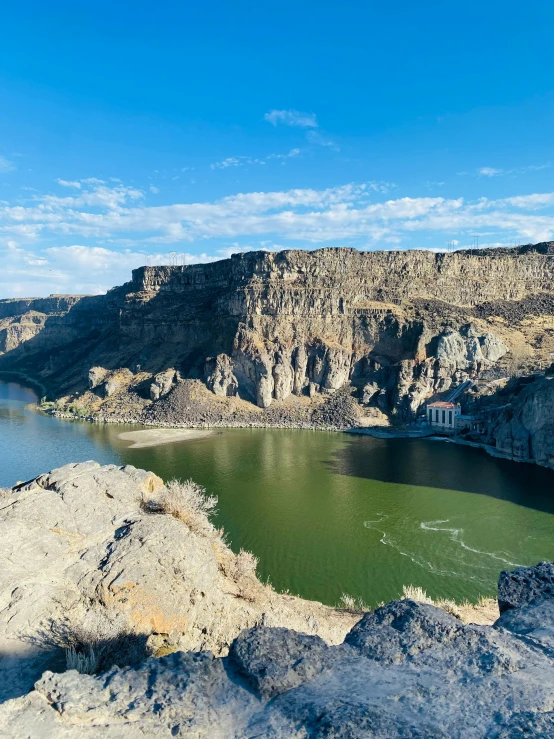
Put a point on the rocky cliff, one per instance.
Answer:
(523, 430)
(253, 664)
(267, 328)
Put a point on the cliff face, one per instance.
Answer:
(398, 326)
(524, 430)
(21, 320)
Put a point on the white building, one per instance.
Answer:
(442, 414)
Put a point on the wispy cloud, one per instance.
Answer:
(69, 183)
(231, 162)
(291, 118)
(489, 172)
(240, 161)
(494, 172)
(6, 165)
(314, 137)
(153, 189)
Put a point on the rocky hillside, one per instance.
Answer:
(252, 664)
(286, 330)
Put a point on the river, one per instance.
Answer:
(328, 513)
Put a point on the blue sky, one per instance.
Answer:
(132, 131)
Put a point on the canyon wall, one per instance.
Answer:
(398, 327)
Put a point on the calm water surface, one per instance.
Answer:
(328, 513)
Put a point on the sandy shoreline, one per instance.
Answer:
(157, 436)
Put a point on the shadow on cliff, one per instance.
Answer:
(446, 466)
(166, 330)
(48, 358)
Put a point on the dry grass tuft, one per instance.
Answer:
(187, 501)
(485, 611)
(412, 592)
(102, 640)
(350, 603)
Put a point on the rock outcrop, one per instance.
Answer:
(162, 383)
(85, 535)
(271, 327)
(219, 376)
(406, 670)
(524, 430)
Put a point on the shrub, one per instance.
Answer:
(188, 502)
(246, 563)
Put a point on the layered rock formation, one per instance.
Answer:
(399, 327)
(21, 320)
(524, 429)
(288, 669)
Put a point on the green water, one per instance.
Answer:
(329, 513)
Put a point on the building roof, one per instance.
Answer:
(441, 404)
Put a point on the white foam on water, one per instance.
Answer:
(417, 559)
(456, 535)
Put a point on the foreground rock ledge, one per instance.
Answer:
(80, 536)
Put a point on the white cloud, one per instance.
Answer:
(69, 183)
(291, 118)
(128, 232)
(490, 172)
(6, 165)
(155, 190)
(292, 153)
(229, 162)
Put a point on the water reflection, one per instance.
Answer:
(327, 513)
(447, 466)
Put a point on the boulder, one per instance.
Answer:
(219, 376)
(162, 383)
(96, 376)
(406, 671)
(525, 585)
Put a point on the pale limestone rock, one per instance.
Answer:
(338, 368)
(264, 381)
(369, 391)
